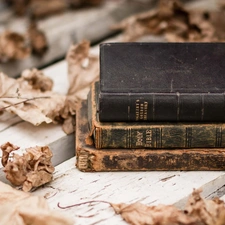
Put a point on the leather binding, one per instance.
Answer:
(162, 82)
(151, 135)
(88, 158)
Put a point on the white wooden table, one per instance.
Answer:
(71, 186)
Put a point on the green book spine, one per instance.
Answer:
(151, 135)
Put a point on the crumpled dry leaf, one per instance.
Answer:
(7, 148)
(83, 69)
(38, 40)
(5, 84)
(172, 20)
(139, 214)
(37, 80)
(13, 46)
(198, 211)
(30, 97)
(207, 212)
(19, 208)
(32, 169)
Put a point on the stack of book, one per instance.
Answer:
(157, 106)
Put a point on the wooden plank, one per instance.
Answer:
(71, 186)
(61, 30)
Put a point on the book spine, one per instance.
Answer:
(159, 160)
(130, 107)
(160, 136)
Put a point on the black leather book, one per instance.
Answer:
(162, 82)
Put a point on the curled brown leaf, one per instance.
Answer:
(172, 20)
(32, 169)
(37, 80)
(13, 46)
(7, 148)
(22, 208)
(38, 40)
(207, 212)
(139, 214)
(5, 84)
(83, 69)
(31, 98)
(198, 211)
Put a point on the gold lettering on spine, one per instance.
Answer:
(141, 110)
(148, 138)
(137, 110)
(144, 138)
(139, 138)
(145, 110)
(82, 160)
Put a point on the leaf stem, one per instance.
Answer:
(82, 203)
(24, 101)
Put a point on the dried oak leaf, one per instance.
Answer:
(172, 20)
(7, 148)
(30, 97)
(83, 69)
(198, 211)
(38, 40)
(139, 214)
(37, 80)
(32, 169)
(208, 212)
(13, 46)
(5, 84)
(20, 208)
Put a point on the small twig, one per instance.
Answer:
(24, 101)
(82, 203)
(18, 97)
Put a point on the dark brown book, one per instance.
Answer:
(91, 159)
(162, 82)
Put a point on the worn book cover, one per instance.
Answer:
(91, 159)
(151, 134)
(162, 82)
